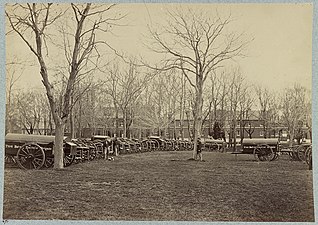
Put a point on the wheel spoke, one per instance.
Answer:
(38, 161)
(23, 152)
(27, 149)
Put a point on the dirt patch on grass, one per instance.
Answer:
(164, 186)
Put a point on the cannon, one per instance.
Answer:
(262, 149)
(269, 149)
(36, 151)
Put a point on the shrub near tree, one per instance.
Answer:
(217, 131)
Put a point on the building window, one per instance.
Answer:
(238, 133)
(261, 133)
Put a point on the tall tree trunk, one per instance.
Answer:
(116, 122)
(124, 123)
(45, 125)
(72, 125)
(197, 115)
(72, 122)
(189, 126)
(182, 106)
(291, 134)
(79, 124)
(234, 129)
(50, 123)
(58, 145)
(175, 127)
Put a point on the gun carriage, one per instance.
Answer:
(36, 151)
(262, 149)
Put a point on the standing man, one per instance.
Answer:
(107, 144)
(199, 149)
(115, 145)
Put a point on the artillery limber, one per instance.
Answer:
(170, 145)
(132, 145)
(214, 145)
(148, 145)
(123, 145)
(89, 149)
(180, 145)
(102, 145)
(36, 151)
(83, 151)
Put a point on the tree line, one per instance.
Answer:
(132, 100)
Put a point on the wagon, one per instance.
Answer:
(262, 149)
(36, 151)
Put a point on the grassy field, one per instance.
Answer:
(164, 186)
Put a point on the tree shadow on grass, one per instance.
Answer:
(191, 159)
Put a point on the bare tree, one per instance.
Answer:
(31, 23)
(124, 86)
(293, 103)
(249, 128)
(196, 44)
(264, 96)
(12, 76)
(309, 117)
(245, 108)
(160, 104)
(31, 108)
(214, 99)
(237, 90)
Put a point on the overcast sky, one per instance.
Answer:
(279, 55)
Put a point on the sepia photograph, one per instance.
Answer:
(123, 112)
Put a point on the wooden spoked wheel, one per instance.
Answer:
(10, 159)
(276, 155)
(263, 153)
(300, 151)
(92, 152)
(308, 155)
(68, 159)
(49, 161)
(144, 146)
(30, 156)
(169, 145)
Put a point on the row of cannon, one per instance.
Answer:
(36, 151)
